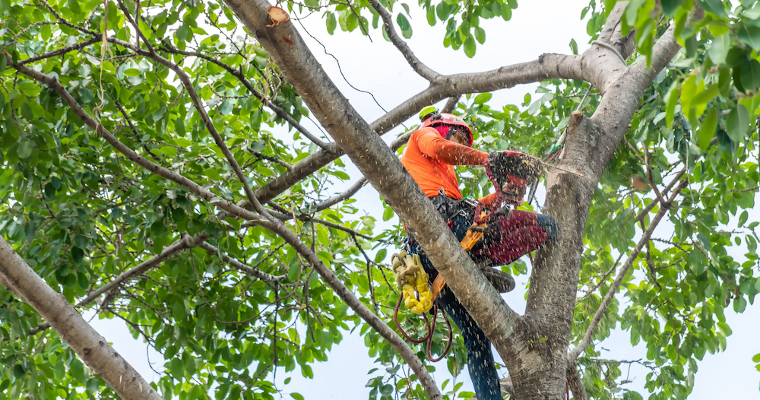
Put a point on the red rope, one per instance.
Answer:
(430, 328)
(499, 198)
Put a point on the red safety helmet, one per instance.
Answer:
(437, 119)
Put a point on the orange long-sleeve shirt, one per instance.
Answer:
(430, 159)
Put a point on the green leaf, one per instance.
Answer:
(387, 214)
(430, 15)
(749, 35)
(469, 46)
(76, 368)
(81, 241)
(708, 129)
(296, 396)
(157, 228)
(406, 28)
(352, 22)
(750, 75)
(480, 35)
(386, 390)
(331, 23)
(737, 123)
(77, 254)
(669, 7)
(178, 215)
(226, 107)
(740, 304)
(724, 81)
(696, 262)
(752, 13)
(443, 10)
(574, 46)
(719, 48)
(482, 98)
(725, 328)
(196, 392)
(74, 6)
(295, 267)
(743, 218)
(24, 149)
(18, 371)
(713, 6)
(672, 101)
(182, 33)
(706, 95)
(380, 256)
(756, 358)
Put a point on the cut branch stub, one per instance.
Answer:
(277, 15)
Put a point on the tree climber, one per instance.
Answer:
(445, 140)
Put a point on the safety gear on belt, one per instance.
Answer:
(436, 119)
(412, 279)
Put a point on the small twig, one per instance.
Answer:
(369, 274)
(418, 67)
(649, 176)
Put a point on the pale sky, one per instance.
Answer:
(537, 27)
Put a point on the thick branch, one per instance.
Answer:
(412, 59)
(548, 66)
(383, 169)
(643, 213)
(575, 383)
(92, 348)
(586, 341)
(612, 34)
(451, 104)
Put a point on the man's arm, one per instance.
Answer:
(433, 145)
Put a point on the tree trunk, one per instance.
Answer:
(18, 277)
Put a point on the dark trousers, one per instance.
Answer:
(505, 241)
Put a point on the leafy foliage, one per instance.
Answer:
(80, 214)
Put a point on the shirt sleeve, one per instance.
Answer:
(488, 200)
(433, 145)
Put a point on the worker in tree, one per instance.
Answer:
(445, 140)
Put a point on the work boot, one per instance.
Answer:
(501, 281)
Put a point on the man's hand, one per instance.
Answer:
(517, 192)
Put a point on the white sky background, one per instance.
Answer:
(538, 26)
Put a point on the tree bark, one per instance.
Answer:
(534, 347)
(18, 277)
